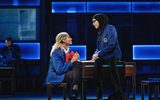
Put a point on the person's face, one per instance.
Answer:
(95, 23)
(68, 40)
(8, 43)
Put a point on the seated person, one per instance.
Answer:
(10, 54)
(63, 66)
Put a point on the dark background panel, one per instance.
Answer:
(74, 24)
(146, 29)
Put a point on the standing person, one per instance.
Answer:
(63, 65)
(10, 54)
(107, 52)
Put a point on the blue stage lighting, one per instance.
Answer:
(81, 49)
(6, 2)
(109, 7)
(146, 7)
(146, 52)
(19, 2)
(29, 51)
(68, 7)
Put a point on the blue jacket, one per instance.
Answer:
(108, 46)
(57, 67)
(10, 55)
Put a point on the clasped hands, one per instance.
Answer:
(75, 57)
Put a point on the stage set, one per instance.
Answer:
(34, 24)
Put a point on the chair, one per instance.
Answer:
(7, 73)
(150, 83)
(50, 87)
(130, 75)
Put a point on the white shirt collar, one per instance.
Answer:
(66, 51)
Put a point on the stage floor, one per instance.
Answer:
(43, 96)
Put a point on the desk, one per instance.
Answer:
(88, 72)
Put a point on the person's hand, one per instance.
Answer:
(95, 56)
(75, 57)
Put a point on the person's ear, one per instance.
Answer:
(64, 40)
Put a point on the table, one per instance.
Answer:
(88, 72)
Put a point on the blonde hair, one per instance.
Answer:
(58, 44)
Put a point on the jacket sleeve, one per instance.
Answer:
(96, 51)
(59, 65)
(109, 46)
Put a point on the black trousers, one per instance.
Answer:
(73, 76)
(113, 74)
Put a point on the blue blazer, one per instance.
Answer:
(10, 55)
(108, 46)
(57, 67)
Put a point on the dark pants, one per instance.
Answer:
(113, 74)
(73, 76)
